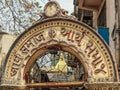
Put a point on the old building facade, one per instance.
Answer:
(102, 14)
(62, 52)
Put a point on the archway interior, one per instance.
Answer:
(56, 66)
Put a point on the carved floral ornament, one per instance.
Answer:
(52, 9)
(72, 36)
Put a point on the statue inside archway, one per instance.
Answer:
(61, 66)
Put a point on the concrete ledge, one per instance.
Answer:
(104, 85)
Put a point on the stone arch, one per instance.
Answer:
(73, 36)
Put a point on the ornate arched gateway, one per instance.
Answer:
(73, 43)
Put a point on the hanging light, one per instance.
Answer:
(53, 49)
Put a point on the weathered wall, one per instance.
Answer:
(110, 16)
(5, 42)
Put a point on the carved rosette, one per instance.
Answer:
(52, 9)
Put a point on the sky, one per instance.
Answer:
(65, 4)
